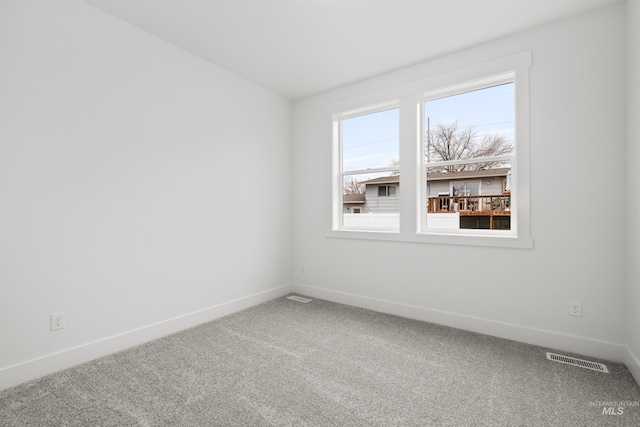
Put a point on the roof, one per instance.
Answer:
(498, 172)
(353, 198)
(441, 176)
(394, 179)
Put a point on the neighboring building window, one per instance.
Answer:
(356, 210)
(368, 146)
(386, 190)
(465, 188)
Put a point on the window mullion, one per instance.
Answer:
(368, 170)
(408, 165)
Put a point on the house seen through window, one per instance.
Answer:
(440, 160)
(370, 152)
(468, 148)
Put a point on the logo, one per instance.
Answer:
(612, 410)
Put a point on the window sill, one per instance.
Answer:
(504, 241)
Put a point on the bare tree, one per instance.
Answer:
(352, 186)
(395, 163)
(448, 142)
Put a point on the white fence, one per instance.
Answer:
(450, 221)
(392, 220)
(372, 220)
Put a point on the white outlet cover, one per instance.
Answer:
(57, 321)
(575, 308)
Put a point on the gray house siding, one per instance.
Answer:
(491, 187)
(488, 187)
(381, 204)
(438, 187)
(484, 183)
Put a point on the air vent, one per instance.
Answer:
(299, 299)
(577, 362)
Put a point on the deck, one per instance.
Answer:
(496, 205)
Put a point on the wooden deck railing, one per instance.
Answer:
(471, 205)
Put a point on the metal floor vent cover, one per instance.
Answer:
(577, 362)
(299, 299)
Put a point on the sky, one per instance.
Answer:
(489, 110)
(372, 140)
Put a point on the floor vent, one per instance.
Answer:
(299, 299)
(577, 362)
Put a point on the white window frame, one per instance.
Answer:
(476, 84)
(409, 97)
(339, 173)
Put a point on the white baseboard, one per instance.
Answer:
(633, 364)
(38, 367)
(41, 366)
(554, 340)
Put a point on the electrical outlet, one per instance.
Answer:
(575, 308)
(57, 321)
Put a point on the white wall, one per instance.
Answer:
(633, 190)
(132, 175)
(121, 157)
(577, 135)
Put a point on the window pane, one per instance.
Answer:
(370, 141)
(469, 198)
(465, 188)
(376, 195)
(470, 125)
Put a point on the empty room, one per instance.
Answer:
(319, 213)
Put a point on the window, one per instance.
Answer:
(368, 147)
(386, 190)
(458, 143)
(469, 133)
(465, 188)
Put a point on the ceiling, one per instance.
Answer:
(297, 48)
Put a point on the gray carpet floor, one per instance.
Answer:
(286, 363)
